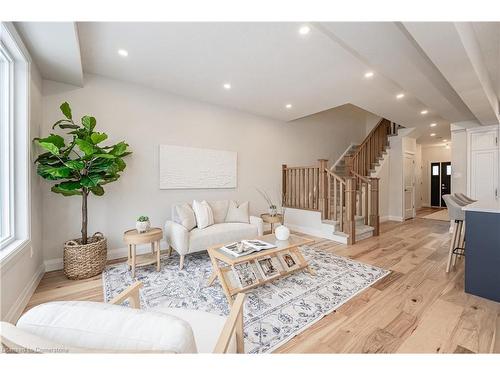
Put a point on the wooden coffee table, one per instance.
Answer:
(225, 274)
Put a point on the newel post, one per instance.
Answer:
(349, 161)
(284, 188)
(322, 189)
(350, 208)
(374, 206)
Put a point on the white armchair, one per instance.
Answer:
(186, 241)
(102, 327)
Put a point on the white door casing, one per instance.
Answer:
(409, 186)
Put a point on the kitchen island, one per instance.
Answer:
(482, 249)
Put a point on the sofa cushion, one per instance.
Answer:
(203, 213)
(207, 327)
(96, 325)
(237, 213)
(219, 210)
(201, 239)
(185, 216)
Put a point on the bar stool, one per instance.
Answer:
(457, 245)
(464, 198)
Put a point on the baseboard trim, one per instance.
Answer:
(53, 264)
(395, 218)
(56, 264)
(18, 307)
(317, 233)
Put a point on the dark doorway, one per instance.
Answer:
(445, 180)
(440, 182)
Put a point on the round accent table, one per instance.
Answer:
(133, 238)
(266, 218)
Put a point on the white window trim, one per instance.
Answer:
(20, 141)
(7, 140)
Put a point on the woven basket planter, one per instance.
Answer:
(84, 261)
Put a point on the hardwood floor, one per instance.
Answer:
(418, 308)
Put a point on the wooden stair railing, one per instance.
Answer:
(335, 198)
(341, 198)
(318, 188)
(301, 187)
(338, 198)
(370, 150)
(367, 202)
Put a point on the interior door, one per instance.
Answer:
(445, 180)
(435, 185)
(409, 186)
(484, 175)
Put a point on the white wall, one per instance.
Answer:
(432, 154)
(146, 118)
(19, 275)
(370, 122)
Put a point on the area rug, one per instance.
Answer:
(273, 313)
(439, 215)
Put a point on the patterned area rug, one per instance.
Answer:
(273, 314)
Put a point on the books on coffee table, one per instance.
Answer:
(269, 267)
(245, 274)
(245, 247)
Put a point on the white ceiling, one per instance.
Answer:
(271, 64)
(488, 36)
(55, 48)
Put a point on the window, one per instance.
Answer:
(14, 141)
(448, 170)
(6, 188)
(435, 170)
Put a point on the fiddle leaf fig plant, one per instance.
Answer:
(79, 163)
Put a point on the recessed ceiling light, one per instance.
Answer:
(445, 140)
(227, 86)
(369, 74)
(433, 134)
(433, 124)
(288, 106)
(447, 146)
(400, 96)
(424, 112)
(304, 30)
(123, 52)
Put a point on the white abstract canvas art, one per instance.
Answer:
(197, 168)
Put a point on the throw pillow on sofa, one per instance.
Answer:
(219, 209)
(203, 213)
(238, 214)
(185, 215)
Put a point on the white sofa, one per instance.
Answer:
(83, 326)
(186, 241)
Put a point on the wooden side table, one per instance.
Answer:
(266, 218)
(133, 238)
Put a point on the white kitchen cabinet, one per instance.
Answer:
(483, 163)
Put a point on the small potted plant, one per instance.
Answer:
(142, 224)
(272, 207)
(273, 210)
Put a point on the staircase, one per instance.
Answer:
(346, 195)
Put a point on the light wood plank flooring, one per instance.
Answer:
(417, 309)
